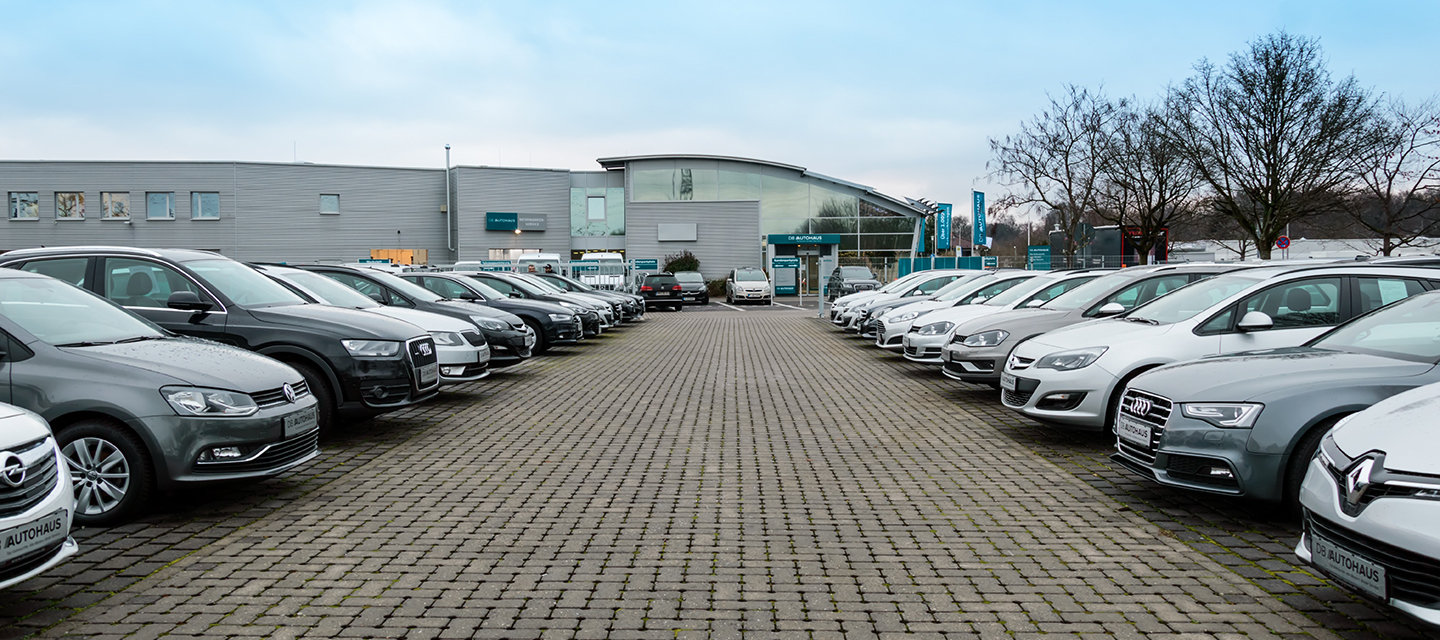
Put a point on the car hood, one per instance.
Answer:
(897, 307)
(1020, 322)
(475, 308)
(195, 362)
(875, 283)
(341, 322)
(1101, 333)
(856, 298)
(962, 313)
(423, 319)
(1402, 426)
(18, 426)
(538, 306)
(1256, 375)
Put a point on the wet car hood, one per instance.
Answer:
(424, 319)
(483, 311)
(1256, 375)
(1104, 332)
(538, 306)
(341, 322)
(19, 426)
(1403, 426)
(195, 362)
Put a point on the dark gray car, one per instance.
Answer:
(136, 408)
(847, 280)
(692, 287)
(1247, 424)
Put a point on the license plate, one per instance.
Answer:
(687, 298)
(1348, 567)
(529, 340)
(665, 294)
(301, 421)
(1133, 430)
(1007, 381)
(429, 374)
(34, 535)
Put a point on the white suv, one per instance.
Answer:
(747, 284)
(1075, 375)
(37, 501)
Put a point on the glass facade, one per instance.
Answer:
(597, 211)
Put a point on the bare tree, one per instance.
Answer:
(1399, 201)
(1272, 135)
(1146, 182)
(1054, 162)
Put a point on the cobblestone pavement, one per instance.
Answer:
(718, 474)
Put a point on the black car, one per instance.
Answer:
(847, 280)
(631, 306)
(514, 287)
(356, 363)
(661, 290)
(693, 289)
(511, 340)
(552, 323)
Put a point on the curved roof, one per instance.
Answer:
(619, 162)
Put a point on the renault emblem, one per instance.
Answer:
(1357, 480)
(12, 469)
(289, 392)
(1140, 406)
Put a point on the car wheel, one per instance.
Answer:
(1299, 463)
(541, 344)
(110, 471)
(324, 395)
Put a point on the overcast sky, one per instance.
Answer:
(899, 96)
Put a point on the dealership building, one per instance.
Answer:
(728, 212)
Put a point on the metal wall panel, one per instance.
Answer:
(484, 189)
(727, 233)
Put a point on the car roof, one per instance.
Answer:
(175, 255)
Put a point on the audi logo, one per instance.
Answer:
(1140, 406)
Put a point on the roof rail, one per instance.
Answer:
(45, 250)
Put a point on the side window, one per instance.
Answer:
(374, 291)
(500, 285)
(991, 291)
(72, 270)
(398, 300)
(141, 283)
(1044, 295)
(1142, 292)
(1373, 293)
(1313, 302)
(1218, 324)
(931, 286)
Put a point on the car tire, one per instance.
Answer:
(541, 344)
(325, 408)
(1299, 463)
(105, 458)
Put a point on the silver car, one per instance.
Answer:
(1371, 501)
(929, 283)
(929, 333)
(36, 503)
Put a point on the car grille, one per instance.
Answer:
(1371, 494)
(475, 339)
(422, 353)
(40, 478)
(1157, 417)
(1017, 363)
(273, 457)
(276, 397)
(1413, 577)
(1015, 398)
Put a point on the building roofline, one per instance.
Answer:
(225, 162)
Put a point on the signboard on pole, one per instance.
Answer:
(942, 226)
(495, 265)
(785, 262)
(1037, 258)
(647, 264)
(980, 235)
(990, 262)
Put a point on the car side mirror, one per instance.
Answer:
(1255, 321)
(1110, 309)
(375, 295)
(979, 300)
(516, 294)
(187, 301)
(1034, 303)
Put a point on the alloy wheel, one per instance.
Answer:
(99, 472)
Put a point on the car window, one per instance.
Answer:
(497, 284)
(1409, 330)
(328, 290)
(991, 290)
(71, 270)
(142, 283)
(1054, 290)
(370, 289)
(60, 314)
(241, 284)
(931, 286)
(1142, 292)
(1312, 302)
(858, 273)
(749, 275)
(447, 288)
(1193, 300)
(1378, 292)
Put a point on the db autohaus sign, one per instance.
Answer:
(500, 221)
(804, 238)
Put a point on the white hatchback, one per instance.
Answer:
(37, 501)
(927, 335)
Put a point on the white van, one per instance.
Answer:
(609, 274)
(538, 260)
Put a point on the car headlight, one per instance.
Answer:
(936, 328)
(1229, 415)
(570, 305)
(448, 338)
(488, 324)
(561, 317)
(905, 317)
(371, 348)
(195, 401)
(986, 339)
(1071, 360)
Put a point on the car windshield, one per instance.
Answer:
(1408, 330)
(405, 287)
(64, 315)
(242, 285)
(689, 276)
(750, 276)
(1089, 292)
(544, 284)
(485, 290)
(899, 282)
(1191, 300)
(328, 291)
(578, 285)
(857, 273)
(527, 286)
(1019, 291)
(962, 286)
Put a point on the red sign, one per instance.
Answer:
(1283, 242)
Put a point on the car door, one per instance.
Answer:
(144, 287)
(1299, 309)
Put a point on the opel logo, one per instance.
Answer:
(12, 469)
(1140, 406)
(1357, 480)
(289, 392)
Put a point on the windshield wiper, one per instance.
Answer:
(1140, 320)
(86, 343)
(138, 339)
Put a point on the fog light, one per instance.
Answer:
(221, 454)
(1063, 401)
(453, 371)
(1220, 472)
(379, 393)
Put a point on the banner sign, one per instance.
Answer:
(785, 262)
(499, 221)
(804, 238)
(647, 264)
(1037, 258)
(942, 226)
(990, 262)
(979, 236)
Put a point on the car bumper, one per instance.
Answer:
(977, 366)
(891, 335)
(1036, 387)
(57, 508)
(1400, 534)
(1197, 456)
(923, 348)
(268, 449)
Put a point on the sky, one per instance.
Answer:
(901, 96)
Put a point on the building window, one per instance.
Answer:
(330, 204)
(160, 206)
(115, 205)
(595, 208)
(69, 206)
(510, 254)
(24, 205)
(204, 205)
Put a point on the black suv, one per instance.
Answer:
(552, 323)
(847, 280)
(357, 364)
(661, 290)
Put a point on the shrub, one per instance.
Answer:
(683, 261)
(716, 288)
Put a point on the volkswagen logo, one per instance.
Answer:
(12, 469)
(1357, 480)
(289, 392)
(1140, 406)
(425, 349)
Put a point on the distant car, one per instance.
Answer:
(749, 285)
(631, 305)
(552, 323)
(661, 290)
(589, 312)
(38, 505)
(847, 280)
(1371, 503)
(692, 287)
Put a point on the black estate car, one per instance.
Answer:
(552, 323)
(661, 290)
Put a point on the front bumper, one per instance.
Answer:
(752, 296)
(56, 508)
(510, 346)
(923, 348)
(1034, 387)
(891, 335)
(462, 364)
(267, 449)
(974, 365)
(1197, 456)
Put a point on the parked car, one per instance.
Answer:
(591, 321)
(552, 323)
(510, 340)
(847, 280)
(1371, 503)
(37, 506)
(927, 334)
(1247, 424)
(1075, 376)
(355, 363)
(887, 322)
(928, 284)
(661, 290)
(464, 354)
(976, 350)
(136, 408)
(843, 303)
(693, 289)
(612, 313)
(748, 284)
(631, 306)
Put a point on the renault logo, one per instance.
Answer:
(12, 469)
(1357, 480)
(1140, 406)
(289, 392)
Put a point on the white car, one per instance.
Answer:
(1074, 376)
(748, 285)
(36, 497)
(1371, 500)
(463, 353)
(928, 334)
(896, 317)
(928, 284)
(843, 303)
